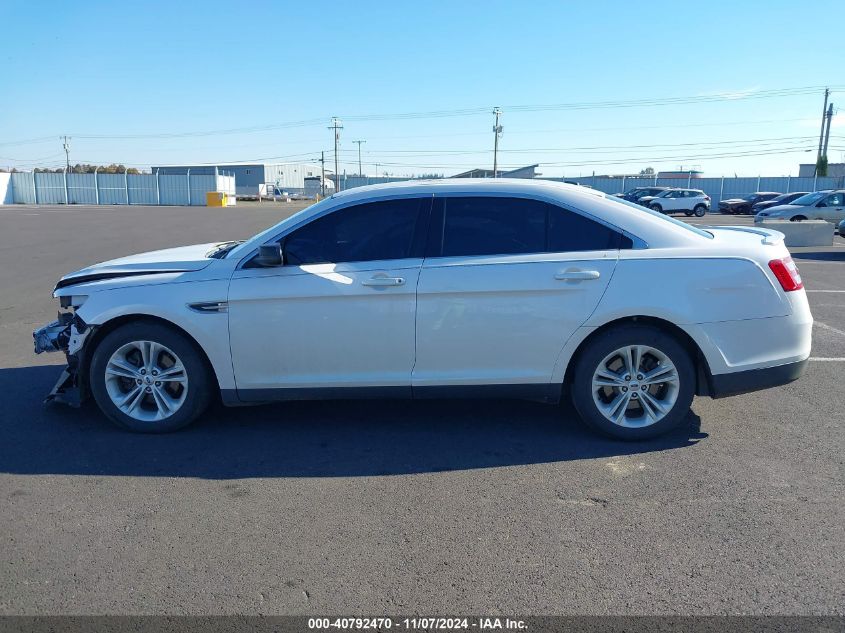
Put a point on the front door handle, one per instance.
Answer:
(578, 275)
(383, 282)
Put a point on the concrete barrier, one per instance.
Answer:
(804, 233)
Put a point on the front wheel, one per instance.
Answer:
(700, 210)
(633, 382)
(149, 378)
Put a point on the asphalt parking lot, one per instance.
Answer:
(434, 507)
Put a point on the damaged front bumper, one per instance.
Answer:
(67, 334)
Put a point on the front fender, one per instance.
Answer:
(171, 303)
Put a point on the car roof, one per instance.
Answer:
(479, 185)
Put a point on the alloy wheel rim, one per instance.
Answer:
(635, 386)
(146, 381)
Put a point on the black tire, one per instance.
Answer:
(613, 339)
(688, 213)
(656, 207)
(700, 211)
(797, 218)
(200, 381)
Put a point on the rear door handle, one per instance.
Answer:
(383, 282)
(578, 275)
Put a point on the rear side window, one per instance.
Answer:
(570, 231)
(510, 226)
(493, 226)
(360, 233)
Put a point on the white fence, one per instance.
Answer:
(147, 189)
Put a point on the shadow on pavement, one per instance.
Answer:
(300, 439)
(822, 256)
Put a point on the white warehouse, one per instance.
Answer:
(250, 179)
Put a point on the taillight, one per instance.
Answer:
(707, 198)
(787, 274)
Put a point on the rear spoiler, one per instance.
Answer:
(769, 236)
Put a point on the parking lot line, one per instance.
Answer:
(828, 291)
(828, 360)
(829, 328)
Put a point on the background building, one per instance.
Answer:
(529, 171)
(255, 178)
(834, 170)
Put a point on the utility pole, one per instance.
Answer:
(337, 127)
(821, 134)
(66, 147)
(360, 173)
(827, 134)
(497, 132)
(322, 174)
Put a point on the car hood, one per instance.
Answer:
(732, 201)
(783, 208)
(169, 260)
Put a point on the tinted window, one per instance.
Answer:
(493, 226)
(509, 226)
(365, 232)
(569, 231)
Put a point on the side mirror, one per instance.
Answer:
(269, 255)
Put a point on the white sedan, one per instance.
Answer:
(461, 288)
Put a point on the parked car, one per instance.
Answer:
(470, 288)
(689, 201)
(841, 229)
(820, 205)
(784, 198)
(745, 203)
(634, 195)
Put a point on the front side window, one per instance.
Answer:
(510, 226)
(365, 232)
(833, 200)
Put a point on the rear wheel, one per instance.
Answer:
(688, 213)
(657, 207)
(149, 378)
(633, 382)
(700, 211)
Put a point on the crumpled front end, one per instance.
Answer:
(67, 334)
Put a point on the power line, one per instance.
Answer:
(434, 114)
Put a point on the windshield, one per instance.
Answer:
(750, 197)
(810, 198)
(667, 218)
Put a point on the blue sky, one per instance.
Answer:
(174, 82)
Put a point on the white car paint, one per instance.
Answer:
(489, 320)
